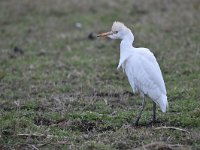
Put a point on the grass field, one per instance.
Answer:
(60, 89)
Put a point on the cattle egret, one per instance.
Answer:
(141, 68)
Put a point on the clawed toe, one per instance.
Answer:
(152, 122)
(135, 124)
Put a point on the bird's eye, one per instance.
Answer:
(115, 32)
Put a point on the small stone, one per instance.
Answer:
(18, 50)
(31, 67)
(42, 52)
(78, 25)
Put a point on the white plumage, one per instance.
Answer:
(141, 68)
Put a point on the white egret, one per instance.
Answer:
(141, 68)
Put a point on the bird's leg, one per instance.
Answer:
(153, 116)
(140, 113)
(154, 112)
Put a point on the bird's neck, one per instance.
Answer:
(126, 50)
(126, 45)
(126, 42)
(128, 38)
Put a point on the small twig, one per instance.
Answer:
(44, 144)
(34, 147)
(175, 128)
(38, 135)
(33, 135)
(160, 145)
(176, 145)
(61, 142)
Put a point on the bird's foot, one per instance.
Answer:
(135, 124)
(152, 122)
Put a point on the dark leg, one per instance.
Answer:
(154, 112)
(140, 113)
(153, 116)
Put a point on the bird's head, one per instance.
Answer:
(118, 31)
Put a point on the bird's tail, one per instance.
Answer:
(163, 103)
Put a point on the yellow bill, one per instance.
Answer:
(104, 34)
